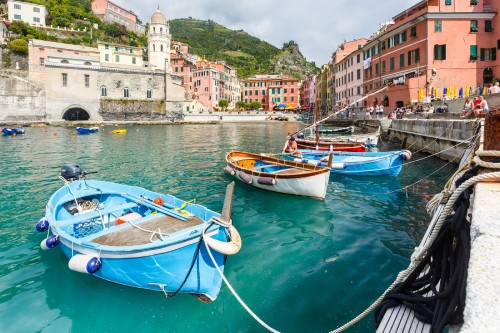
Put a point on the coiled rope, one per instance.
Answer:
(421, 251)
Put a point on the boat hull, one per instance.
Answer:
(11, 131)
(359, 164)
(87, 130)
(312, 182)
(331, 146)
(157, 250)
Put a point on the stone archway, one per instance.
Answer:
(76, 112)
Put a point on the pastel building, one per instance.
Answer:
(271, 90)
(309, 99)
(30, 13)
(111, 12)
(348, 68)
(120, 55)
(182, 64)
(321, 90)
(39, 51)
(433, 45)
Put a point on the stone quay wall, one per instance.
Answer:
(447, 136)
(132, 110)
(20, 99)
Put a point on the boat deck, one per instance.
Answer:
(132, 235)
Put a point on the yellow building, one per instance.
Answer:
(120, 55)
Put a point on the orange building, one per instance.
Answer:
(271, 91)
(182, 64)
(433, 46)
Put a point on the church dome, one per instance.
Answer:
(158, 18)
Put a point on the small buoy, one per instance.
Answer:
(406, 155)
(14, 135)
(73, 133)
(50, 242)
(159, 201)
(83, 263)
(42, 225)
(55, 133)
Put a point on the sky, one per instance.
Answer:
(317, 26)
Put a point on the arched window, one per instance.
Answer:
(104, 91)
(64, 62)
(161, 47)
(154, 29)
(125, 92)
(161, 29)
(149, 93)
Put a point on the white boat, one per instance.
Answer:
(278, 175)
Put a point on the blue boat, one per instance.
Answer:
(139, 238)
(357, 163)
(7, 131)
(87, 130)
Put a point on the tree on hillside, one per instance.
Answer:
(112, 29)
(19, 46)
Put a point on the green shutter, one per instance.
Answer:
(473, 52)
(483, 54)
(443, 52)
(493, 54)
(417, 55)
(473, 2)
(436, 47)
(498, 44)
(409, 58)
(488, 26)
(447, 2)
(473, 26)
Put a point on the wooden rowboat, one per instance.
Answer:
(278, 175)
(330, 145)
(139, 238)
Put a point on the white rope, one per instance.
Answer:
(420, 252)
(260, 321)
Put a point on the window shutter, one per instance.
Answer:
(473, 2)
(483, 54)
(473, 52)
(409, 58)
(436, 47)
(498, 44)
(417, 55)
(443, 52)
(447, 2)
(493, 54)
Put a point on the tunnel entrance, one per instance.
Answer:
(76, 113)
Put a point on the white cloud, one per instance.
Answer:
(318, 26)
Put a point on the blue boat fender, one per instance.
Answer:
(83, 263)
(50, 242)
(245, 177)
(231, 247)
(266, 181)
(406, 155)
(42, 225)
(229, 170)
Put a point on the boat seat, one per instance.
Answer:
(96, 213)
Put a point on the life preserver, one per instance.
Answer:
(227, 248)
(159, 201)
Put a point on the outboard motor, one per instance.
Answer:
(71, 172)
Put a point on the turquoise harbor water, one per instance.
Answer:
(305, 265)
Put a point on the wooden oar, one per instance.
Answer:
(330, 160)
(228, 204)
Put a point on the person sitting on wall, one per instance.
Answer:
(483, 106)
(291, 147)
(494, 89)
(468, 107)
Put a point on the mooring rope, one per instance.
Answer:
(235, 294)
(421, 251)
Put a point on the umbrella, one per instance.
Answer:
(455, 92)
(290, 107)
(467, 91)
(445, 91)
(281, 106)
(461, 92)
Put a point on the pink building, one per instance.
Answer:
(182, 64)
(435, 44)
(309, 87)
(110, 12)
(348, 69)
(39, 50)
(271, 91)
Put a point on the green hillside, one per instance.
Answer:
(248, 54)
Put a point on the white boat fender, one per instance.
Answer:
(338, 166)
(229, 170)
(50, 242)
(245, 177)
(306, 161)
(42, 225)
(227, 248)
(266, 181)
(406, 155)
(83, 263)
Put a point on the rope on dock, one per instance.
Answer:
(421, 252)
